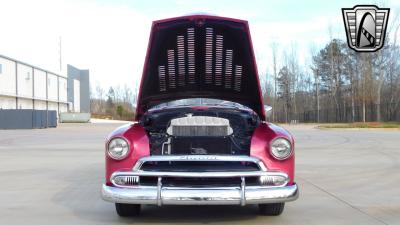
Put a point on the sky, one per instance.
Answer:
(109, 37)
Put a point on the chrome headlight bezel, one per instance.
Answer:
(283, 142)
(125, 145)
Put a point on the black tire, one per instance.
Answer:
(127, 210)
(274, 209)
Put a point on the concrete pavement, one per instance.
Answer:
(53, 176)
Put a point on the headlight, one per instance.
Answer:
(118, 148)
(281, 148)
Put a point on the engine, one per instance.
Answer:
(199, 132)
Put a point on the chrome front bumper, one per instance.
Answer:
(200, 196)
(164, 194)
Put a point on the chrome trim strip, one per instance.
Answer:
(200, 196)
(212, 158)
(198, 174)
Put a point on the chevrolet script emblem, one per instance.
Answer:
(365, 27)
(198, 157)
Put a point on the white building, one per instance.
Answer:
(23, 86)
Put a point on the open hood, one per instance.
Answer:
(200, 57)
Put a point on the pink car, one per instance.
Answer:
(200, 136)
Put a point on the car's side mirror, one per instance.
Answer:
(268, 110)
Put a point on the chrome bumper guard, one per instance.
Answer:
(214, 195)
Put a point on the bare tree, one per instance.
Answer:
(315, 71)
(274, 56)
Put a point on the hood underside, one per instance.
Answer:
(200, 57)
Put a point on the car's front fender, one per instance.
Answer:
(260, 148)
(138, 141)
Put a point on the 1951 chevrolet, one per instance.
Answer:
(200, 136)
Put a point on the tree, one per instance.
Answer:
(120, 110)
(284, 84)
(110, 100)
(330, 65)
(274, 58)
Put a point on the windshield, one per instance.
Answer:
(199, 102)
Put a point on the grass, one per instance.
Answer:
(362, 125)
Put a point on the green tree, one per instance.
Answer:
(120, 110)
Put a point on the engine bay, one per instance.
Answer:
(199, 131)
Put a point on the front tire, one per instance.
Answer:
(274, 209)
(127, 210)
